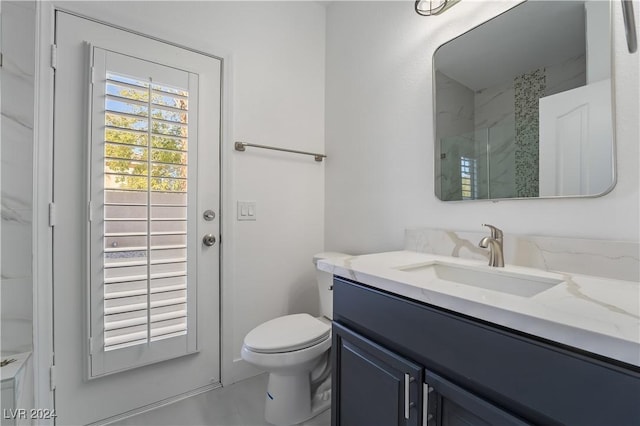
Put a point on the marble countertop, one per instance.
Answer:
(595, 314)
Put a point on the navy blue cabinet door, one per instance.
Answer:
(451, 405)
(373, 386)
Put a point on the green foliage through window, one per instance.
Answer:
(130, 163)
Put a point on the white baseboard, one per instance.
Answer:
(155, 405)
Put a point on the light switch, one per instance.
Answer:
(246, 210)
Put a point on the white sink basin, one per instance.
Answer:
(496, 279)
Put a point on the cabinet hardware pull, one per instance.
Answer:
(407, 380)
(425, 404)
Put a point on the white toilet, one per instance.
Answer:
(294, 349)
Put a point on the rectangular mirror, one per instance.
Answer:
(523, 105)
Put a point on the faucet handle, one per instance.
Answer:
(496, 233)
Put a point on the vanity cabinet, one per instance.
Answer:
(391, 354)
(380, 387)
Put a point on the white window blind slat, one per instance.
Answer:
(121, 307)
(144, 262)
(127, 100)
(167, 336)
(136, 335)
(134, 318)
(130, 278)
(158, 285)
(140, 292)
(168, 327)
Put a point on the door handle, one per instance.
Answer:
(208, 240)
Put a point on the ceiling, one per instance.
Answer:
(528, 36)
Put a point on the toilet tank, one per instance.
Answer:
(325, 283)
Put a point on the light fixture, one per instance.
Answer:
(433, 7)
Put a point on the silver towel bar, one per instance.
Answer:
(630, 25)
(240, 146)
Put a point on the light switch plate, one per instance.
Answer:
(246, 210)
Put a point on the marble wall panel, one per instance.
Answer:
(16, 251)
(566, 75)
(501, 164)
(17, 158)
(17, 117)
(455, 101)
(494, 106)
(454, 134)
(602, 258)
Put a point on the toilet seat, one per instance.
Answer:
(286, 334)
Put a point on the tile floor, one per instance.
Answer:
(241, 404)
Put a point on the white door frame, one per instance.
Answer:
(42, 197)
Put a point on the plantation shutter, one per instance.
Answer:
(142, 259)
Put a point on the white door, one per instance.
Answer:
(136, 166)
(576, 141)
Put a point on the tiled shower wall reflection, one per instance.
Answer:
(529, 88)
(17, 107)
(498, 127)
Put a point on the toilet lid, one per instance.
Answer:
(288, 333)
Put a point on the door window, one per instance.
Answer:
(140, 262)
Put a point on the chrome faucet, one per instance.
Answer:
(494, 244)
